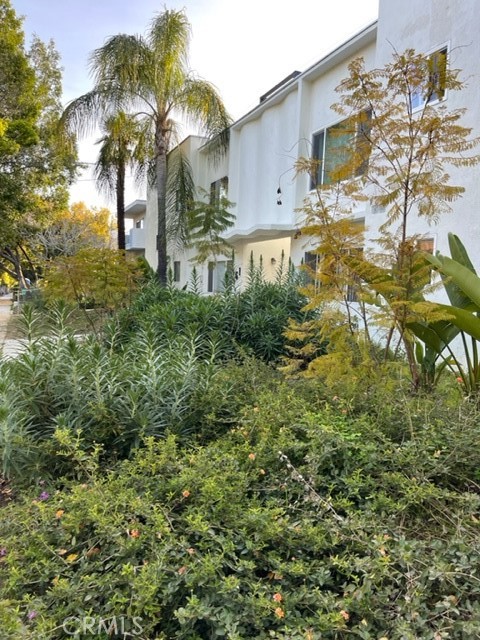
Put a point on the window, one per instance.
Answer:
(338, 146)
(218, 189)
(434, 89)
(176, 270)
(139, 224)
(311, 260)
(426, 244)
(217, 272)
(328, 270)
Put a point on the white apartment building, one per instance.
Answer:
(289, 121)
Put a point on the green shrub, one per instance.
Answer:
(298, 523)
(252, 321)
(113, 397)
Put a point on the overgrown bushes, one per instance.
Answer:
(114, 397)
(252, 320)
(166, 479)
(300, 522)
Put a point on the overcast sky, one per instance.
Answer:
(244, 48)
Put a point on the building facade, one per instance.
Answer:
(292, 121)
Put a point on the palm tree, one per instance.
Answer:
(123, 145)
(150, 77)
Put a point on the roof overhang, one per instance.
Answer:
(345, 51)
(135, 208)
(261, 232)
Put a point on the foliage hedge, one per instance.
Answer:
(303, 520)
(252, 321)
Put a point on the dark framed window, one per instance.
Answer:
(218, 190)
(340, 150)
(211, 271)
(176, 270)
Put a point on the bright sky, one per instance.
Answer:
(244, 48)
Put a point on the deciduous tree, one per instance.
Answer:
(395, 148)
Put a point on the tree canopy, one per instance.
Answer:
(36, 164)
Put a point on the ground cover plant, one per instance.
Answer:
(305, 519)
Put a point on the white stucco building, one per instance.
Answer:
(289, 120)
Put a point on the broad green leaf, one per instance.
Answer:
(459, 253)
(463, 320)
(467, 281)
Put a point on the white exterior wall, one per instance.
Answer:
(264, 149)
(204, 171)
(427, 26)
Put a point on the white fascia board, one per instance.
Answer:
(347, 50)
(260, 231)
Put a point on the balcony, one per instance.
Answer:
(135, 240)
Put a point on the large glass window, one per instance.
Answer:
(340, 151)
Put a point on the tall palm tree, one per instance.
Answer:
(150, 76)
(123, 146)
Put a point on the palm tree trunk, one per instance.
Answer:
(161, 179)
(121, 206)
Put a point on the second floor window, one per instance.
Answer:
(340, 151)
(218, 189)
(433, 87)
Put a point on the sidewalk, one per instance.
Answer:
(8, 347)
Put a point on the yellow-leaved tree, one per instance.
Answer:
(76, 228)
(393, 148)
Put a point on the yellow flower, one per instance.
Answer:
(59, 513)
(251, 456)
(186, 493)
(277, 597)
(71, 557)
(345, 615)
(279, 612)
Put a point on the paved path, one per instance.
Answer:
(8, 346)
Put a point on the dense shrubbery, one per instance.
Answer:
(152, 385)
(161, 473)
(301, 522)
(253, 320)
